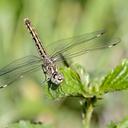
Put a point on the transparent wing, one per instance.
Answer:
(17, 69)
(92, 46)
(64, 45)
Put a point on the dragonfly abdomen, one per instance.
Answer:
(35, 37)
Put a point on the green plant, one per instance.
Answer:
(89, 92)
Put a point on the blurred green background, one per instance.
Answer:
(57, 19)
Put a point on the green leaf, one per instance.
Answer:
(27, 124)
(116, 80)
(121, 124)
(71, 86)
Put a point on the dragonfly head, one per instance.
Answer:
(57, 78)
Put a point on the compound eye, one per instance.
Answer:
(60, 77)
(55, 75)
(57, 78)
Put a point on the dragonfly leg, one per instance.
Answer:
(64, 60)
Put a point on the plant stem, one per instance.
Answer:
(87, 111)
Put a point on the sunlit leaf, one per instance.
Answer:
(71, 86)
(117, 79)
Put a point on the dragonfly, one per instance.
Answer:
(68, 48)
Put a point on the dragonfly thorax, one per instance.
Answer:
(52, 73)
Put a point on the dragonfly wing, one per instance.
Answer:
(17, 69)
(90, 47)
(65, 45)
